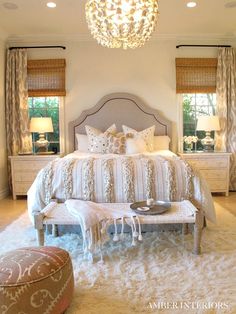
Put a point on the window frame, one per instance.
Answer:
(181, 123)
(180, 99)
(62, 124)
(61, 120)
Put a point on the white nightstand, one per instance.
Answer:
(24, 169)
(214, 167)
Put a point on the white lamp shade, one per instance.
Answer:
(41, 125)
(208, 123)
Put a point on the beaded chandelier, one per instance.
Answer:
(121, 23)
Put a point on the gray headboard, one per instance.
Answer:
(119, 108)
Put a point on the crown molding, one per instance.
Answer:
(48, 38)
(194, 37)
(59, 38)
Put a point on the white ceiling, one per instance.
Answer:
(32, 18)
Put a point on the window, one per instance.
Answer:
(195, 105)
(196, 82)
(47, 107)
(46, 86)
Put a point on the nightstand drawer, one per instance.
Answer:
(25, 176)
(24, 169)
(22, 165)
(217, 185)
(220, 174)
(208, 164)
(22, 187)
(213, 166)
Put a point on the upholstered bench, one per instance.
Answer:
(180, 213)
(35, 280)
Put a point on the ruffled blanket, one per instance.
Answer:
(120, 179)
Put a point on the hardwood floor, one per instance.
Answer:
(228, 203)
(10, 210)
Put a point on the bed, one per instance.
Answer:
(114, 178)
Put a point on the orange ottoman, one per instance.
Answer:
(35, 280)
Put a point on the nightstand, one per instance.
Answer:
(214, 167)
(24, 170)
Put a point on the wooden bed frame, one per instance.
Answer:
(119, 108)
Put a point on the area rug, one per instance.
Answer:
(160, 275)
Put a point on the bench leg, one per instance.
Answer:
(184, 228)
(38, 224)
(198, 233)
(55, 230)
(40, 237)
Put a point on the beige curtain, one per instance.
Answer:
(17, 119)
(226, 107)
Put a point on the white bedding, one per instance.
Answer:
(120, 179)
(78, 154)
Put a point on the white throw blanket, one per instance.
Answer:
(95, 218)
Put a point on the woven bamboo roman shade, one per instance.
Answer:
(196, 75)
(46, 77)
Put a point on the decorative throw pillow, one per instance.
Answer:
(147, 135)
(97, 139)
(135, 145)
(115, 143)
(161, 142)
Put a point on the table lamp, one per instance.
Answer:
(41, 125)
(208, 124)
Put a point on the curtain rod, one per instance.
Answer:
(37, 47)
(216, 46)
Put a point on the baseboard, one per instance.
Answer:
(4, 193)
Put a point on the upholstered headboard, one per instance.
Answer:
(119, 108)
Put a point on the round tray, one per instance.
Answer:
(157, 208)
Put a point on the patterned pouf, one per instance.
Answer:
(35, 280)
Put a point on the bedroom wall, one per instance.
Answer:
(148, 72)
(3, 159)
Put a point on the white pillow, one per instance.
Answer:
(98, 140)
(147, 135)
(135, 145)
(161, 142)
(82, 142)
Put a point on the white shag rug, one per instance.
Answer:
(160, 272)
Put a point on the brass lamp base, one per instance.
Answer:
(42, 145)
(208, 143)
